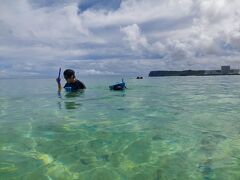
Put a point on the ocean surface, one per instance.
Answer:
(168, 128)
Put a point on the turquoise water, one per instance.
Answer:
(159, 128)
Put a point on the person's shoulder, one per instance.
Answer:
(81, 84)
(78, 81)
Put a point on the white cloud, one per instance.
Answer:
(96, 72)
(142, 34)
(135, 37)
(47, 24)
(138, 11)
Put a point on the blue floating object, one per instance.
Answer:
(118, 86)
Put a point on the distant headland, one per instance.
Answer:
(225, 70)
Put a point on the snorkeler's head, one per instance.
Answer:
(69, 74)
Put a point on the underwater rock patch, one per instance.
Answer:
(157, 138)
(138, 151)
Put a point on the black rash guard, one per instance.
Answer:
(77, 85)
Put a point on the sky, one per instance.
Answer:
(117, 37)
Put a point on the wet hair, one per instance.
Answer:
(68, 73)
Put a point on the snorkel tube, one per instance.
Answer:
(59, 82)
(124, 83)
(59, 77)
(59, 73)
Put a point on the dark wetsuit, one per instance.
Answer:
(77, 85)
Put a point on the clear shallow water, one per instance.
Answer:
(160, 128)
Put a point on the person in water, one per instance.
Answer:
(72, 84)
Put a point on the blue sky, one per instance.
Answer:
(117, 36)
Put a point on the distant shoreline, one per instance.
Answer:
(225, 70)
(183, 73)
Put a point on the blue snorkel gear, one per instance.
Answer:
(59, 82)
(68, 89)
(59, 73)
(59, 76)
(118, 86)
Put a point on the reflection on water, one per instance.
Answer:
(74, 94)
(71, 100)
(72, 105)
